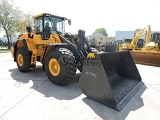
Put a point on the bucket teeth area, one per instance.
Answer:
(146, 58)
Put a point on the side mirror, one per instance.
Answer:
(29, 29)
(69, 21)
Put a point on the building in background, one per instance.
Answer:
(100, 39)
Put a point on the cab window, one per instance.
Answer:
(39, 25)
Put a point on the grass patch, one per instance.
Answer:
(4, 51)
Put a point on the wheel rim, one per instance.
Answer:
(54, 67)
(20, 60)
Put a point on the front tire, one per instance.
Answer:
(60, 66)
(23, 60)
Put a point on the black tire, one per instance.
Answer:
(67, 66)
(23, 64)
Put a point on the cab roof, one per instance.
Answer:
(48, 14)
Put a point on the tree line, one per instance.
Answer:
(13, 20)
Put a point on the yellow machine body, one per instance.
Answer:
(110, 78)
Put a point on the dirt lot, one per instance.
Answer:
(32, 96)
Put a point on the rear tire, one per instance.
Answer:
(60, 66)
(23, 60)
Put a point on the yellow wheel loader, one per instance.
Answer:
(147, 51)
(150, 53)
(110, 78)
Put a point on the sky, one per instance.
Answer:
(88, 15)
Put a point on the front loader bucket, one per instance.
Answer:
(110, 78)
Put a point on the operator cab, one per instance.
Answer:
(155, 37)
(47, 24)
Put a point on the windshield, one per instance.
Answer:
(55, 23)
(128, 40)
